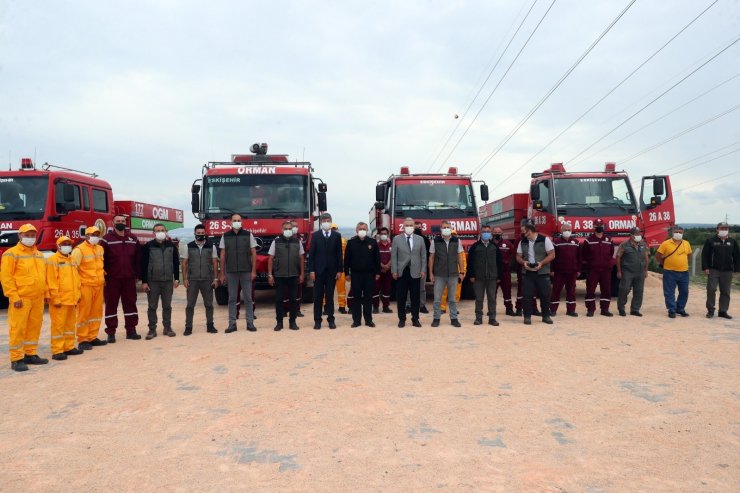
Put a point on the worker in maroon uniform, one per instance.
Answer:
(520, 280)
(508, 252)
(383, 284)
(598, 257)
(565, 270)
(122, 260)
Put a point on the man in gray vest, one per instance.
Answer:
(238, 268)
(160, 274)
(285, 272)
(534, 254)
(632, 269)
(485, 265)
(199, 275)
(446, 269)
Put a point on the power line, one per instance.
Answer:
(728, 46)
(499, 82)
(480, 89)
(619, 84)
(679, 134)
(708, 181)
(548, 94)
(705, 162)
(698, 157)
(656, 120)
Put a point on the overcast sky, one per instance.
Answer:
(144, 93)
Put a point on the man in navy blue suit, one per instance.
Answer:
(324, 267)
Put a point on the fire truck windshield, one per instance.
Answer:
(422, 200)
(257, 195)
(23, 197)
(595, 196)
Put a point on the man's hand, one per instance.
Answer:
(254, 275)
(431, 277)
(176, 283)
(472, 279)
(377, 277)
(461, 276)
(145, 287)
(300, 279)
(312, 276)
(646, 274)
(339, 274)
(395, 276)
(18, 304)
(619, 274)
(271, 280)
(223, 278)
(706, 271)
(185, 283)
(348, 278)
(214, 284)
(422, 275)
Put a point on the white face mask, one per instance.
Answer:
(722, 233)
(160, 235)
(566, 234)
(236, 224)
(446, 231)
(362, 233)
(29, 242)
(678, 236)
(294, 229)
(409, 230)
(638, 238)
(383, 237)
(93, 240)
(287, 233)
(65, 249)
(326, 226)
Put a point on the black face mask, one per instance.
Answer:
(120, 227)
(200, 237)
(497, 237)
(599, 229)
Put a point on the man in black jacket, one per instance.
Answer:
(324, 268)
(362, 269)
(720, 258)
(484, 266)
(160, 274)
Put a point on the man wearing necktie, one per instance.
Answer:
(408, 267)
(324, 267)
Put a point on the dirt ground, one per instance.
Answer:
(586, 405)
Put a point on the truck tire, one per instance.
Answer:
(467, 292)
(222, 295)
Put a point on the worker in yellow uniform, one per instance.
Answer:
(88, 256)
(341, 281)
(458, 290)
(23, 276)
(63, 280)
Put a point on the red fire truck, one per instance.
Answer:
(266, 190)
(63, 202)
(430, 199)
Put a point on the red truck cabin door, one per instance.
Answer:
(656, 204)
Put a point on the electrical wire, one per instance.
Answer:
(675, 166)
(708, 181)
(705, 162)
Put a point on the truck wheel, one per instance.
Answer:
(467, 293)
(222, 295)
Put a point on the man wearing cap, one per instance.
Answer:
(674, 255)
(720, 259)
(508, 252)
(160, 274)
(63, 280)
(446, 271)
(23, 276)
(632, 269)
(88, 256)
(238, 270)
(598, 255)
(534, 254)
(122, 258)
(325, 268)
(565, 270)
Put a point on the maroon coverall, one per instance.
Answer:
(508, 252)
(565, 268)
(121, 263)
(598, 257)
(383, 284)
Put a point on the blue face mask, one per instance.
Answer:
(486, 236)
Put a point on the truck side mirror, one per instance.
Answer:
(379, 205)
(195, 201)
(322, 201)
(537, 205)
(195, 188)
(534, 192)
(655, 201)
(484, 192)
(323, 188)
(380, 192)
(658, 188)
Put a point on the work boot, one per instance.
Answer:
(332, 325)
(133, 336)
(478, 321)
(492, 321)
(293, 326)
(536, 312)
(455, 322)
(435, 322)
(710, 314)
(299, 314)
(376, 309)
(510, 312)
(370, 324)
(188, 331)
(35, 359)
(59, 357)
(18, 365)
(151, 335)
(169, 333)
(572, 314)
(547, 320)
(211, 329)
(74, 352)
(622, 312)
(416, 323)
(423, 309)
(111, 339)
(683, 313)
(231, 328)
(355, 325)
(251, 328)
(606, 313)
(671, 314)
(720, 315)
(387, 309)
(518, 312)
(278, 326)
(85, 346)
(590, 313)
(97, 342)
(527, 321)
(342, 310)
(636, 313)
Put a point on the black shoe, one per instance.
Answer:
(536, 313)
(527, 321)
(590, 313)
(293, 326)
(671, 315)
(111, 338)
(98, 342)
(151, 335)
(74, 352)
(572, 314)
(342, 310)
(416, 323)
(133, 336)
(510, 312)
(317, 325)
(254, 315)
(35, 359)
(435, 322)
(622, 313)
(211, 329)
(231, 328)
(59, 357)
(370, 324)
(547, 320)
(85, 346)
(553, 314)
(606, 313)
(278, 327)
(169, 333)
(187, 332)
(683, 313)
(332, 325)
(635, 313)
(401, 324)
(387, 310)
(18, 365)
(355, 325)
(299, 314)
(720, 315)
(455, 323)
(710, 314)
(478, 321)
(376, 309)
(423, 309)
(493, 321)
(324, 312)
(251, 328)
(518, 312)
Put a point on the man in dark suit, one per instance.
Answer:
(408, 267)
(324, 267)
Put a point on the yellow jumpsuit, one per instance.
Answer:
(89, 259)
(342, 281)
(64, 289)
(23, 275)
(443, 302)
